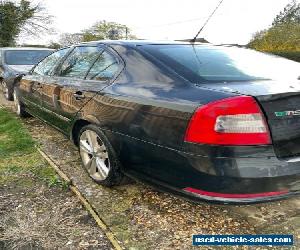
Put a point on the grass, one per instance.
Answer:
(19, 157)
(14, 139)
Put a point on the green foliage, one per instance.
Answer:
(17, 17)
(101, 30)
(48, 176)
(290, 14)
(292, 55)
(283, 35)
(107, 30)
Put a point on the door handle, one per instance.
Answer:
(37, 84)
(78, 95)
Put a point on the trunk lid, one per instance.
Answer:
(280, 102)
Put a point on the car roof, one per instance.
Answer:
(24, 48)
(138, 42)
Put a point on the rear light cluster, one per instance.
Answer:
(231, 121)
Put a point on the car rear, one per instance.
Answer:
(245, 148)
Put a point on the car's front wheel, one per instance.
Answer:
(19, 107)
(6, 91)
(98, 156)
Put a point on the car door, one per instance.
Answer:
(70, 90)
(31, 86)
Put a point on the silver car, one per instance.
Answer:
(15, 62)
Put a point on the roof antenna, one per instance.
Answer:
(195, 38)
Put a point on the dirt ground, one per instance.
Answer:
(34, 216)
(143, 218)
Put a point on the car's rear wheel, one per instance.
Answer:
(6, 92)
(19, 107)
(98, 156)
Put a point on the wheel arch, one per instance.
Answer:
(79, 122)
(84, 121)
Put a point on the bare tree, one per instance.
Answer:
(69, 39)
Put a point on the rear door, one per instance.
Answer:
(77, 80)
(32, 85)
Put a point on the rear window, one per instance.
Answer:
(200, 63)
(25, 57)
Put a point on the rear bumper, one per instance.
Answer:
(240, 198)
(227, 190)
(240, 201)
(243, 175)
(219, 174)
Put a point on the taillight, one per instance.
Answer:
(231, 121)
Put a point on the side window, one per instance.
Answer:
(104, 68)
(46, 66)
(79, 61)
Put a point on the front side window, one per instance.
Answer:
(25, 57)
(104, 69)
(47, 66)
(79, 62)
(200, 63)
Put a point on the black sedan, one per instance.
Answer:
(15, 62)
(211, 122)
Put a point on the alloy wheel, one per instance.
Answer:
(94, 155)
(5, 89)
(17, 103)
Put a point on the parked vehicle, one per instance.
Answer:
(209, 122)
(15, 62)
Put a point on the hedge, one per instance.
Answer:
(293, 55)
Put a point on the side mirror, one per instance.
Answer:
(19, 76)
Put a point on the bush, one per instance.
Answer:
(293, 55)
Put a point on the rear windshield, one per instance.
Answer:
(200, 63)
(25, 57)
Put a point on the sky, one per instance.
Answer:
(234, 22)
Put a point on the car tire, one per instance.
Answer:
(98, 156)
(19, 106)
(6, 91)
